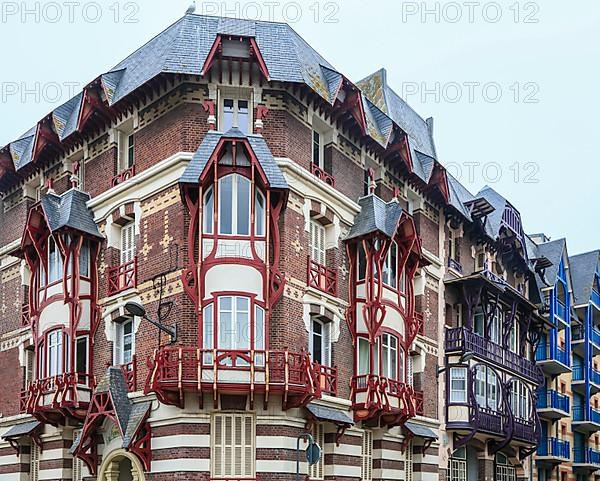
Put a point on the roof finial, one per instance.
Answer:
(50, 186)
(372, 183)
(75, 175)
(191, 9)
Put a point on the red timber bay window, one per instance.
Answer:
(235, 193)
(385, 254)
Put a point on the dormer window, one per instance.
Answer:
(235, 113)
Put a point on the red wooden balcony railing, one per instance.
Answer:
(67, 393)
(419, 403)
(130, 374)
(122, 277)
(322, 278)
(420, 318)
(322, 175)
(326, 379)
(25, 315)
(123, 176)
(374, 396)
(176, 370)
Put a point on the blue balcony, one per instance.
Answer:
(586, 458)
(552, 359)
(584, 420)
(553, 450)
(596, 298)
(579, 379)
(552, 405)
(578, 340)
(561, 312)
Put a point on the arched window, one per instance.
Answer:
(234, 206)
(54, 363)
(504, 470)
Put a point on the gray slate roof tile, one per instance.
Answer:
(375, 216)
(583, 269)
(195, 168)
(69, 210)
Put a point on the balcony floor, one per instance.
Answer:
(553, 367)
(552, 413)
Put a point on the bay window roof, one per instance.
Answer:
(375, 215)
(256, 143)
(69, 211)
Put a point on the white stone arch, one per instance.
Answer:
(114, 462)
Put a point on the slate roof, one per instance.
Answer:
(553, 251)
(69, 210)
(129, 415)
(376, 89)
(375, 216)
(195, 168)
(23, 429)
(583, 268)
(324, 413)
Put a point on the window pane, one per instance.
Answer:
(316, 148)
(208, 212)
(130, 150)
(259, 213)
(226, 205)
(226, 330)
(227, 115)
(363, 356)
(317, 341)
(81, 356)
(259, 329)
(208, 332)
(84, 260)
(242, 116)
(362, 263)
(243, 205)
(242, 323)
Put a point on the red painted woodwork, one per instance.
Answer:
(419, 403)
(25, 315)
(130, 374)
(92, 104)
(177, 370)
(322, 278)
(327, 379)
(102, 407)
(391, 401)
(322, 175)
(216, 51)
(123, 176)
(55, 398)
(45, 136)
(122, 277)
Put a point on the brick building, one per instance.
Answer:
(224, 243)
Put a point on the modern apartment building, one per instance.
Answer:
(224, 243)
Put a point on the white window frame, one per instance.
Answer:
(260, 213)
(457, 376)
(324, 340)
(318, 146)
(55, 262)
(247, 129)
(390, 268)
(238, 458)
(317, 470)
(121, 339)
(390, 355)
(127, 243)
(317, 242)
(125, 146)
(55, 347)
(366, 468)
(458, 466)
(235, 180)
(208, 211)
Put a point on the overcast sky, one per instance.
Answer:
(512, 86)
